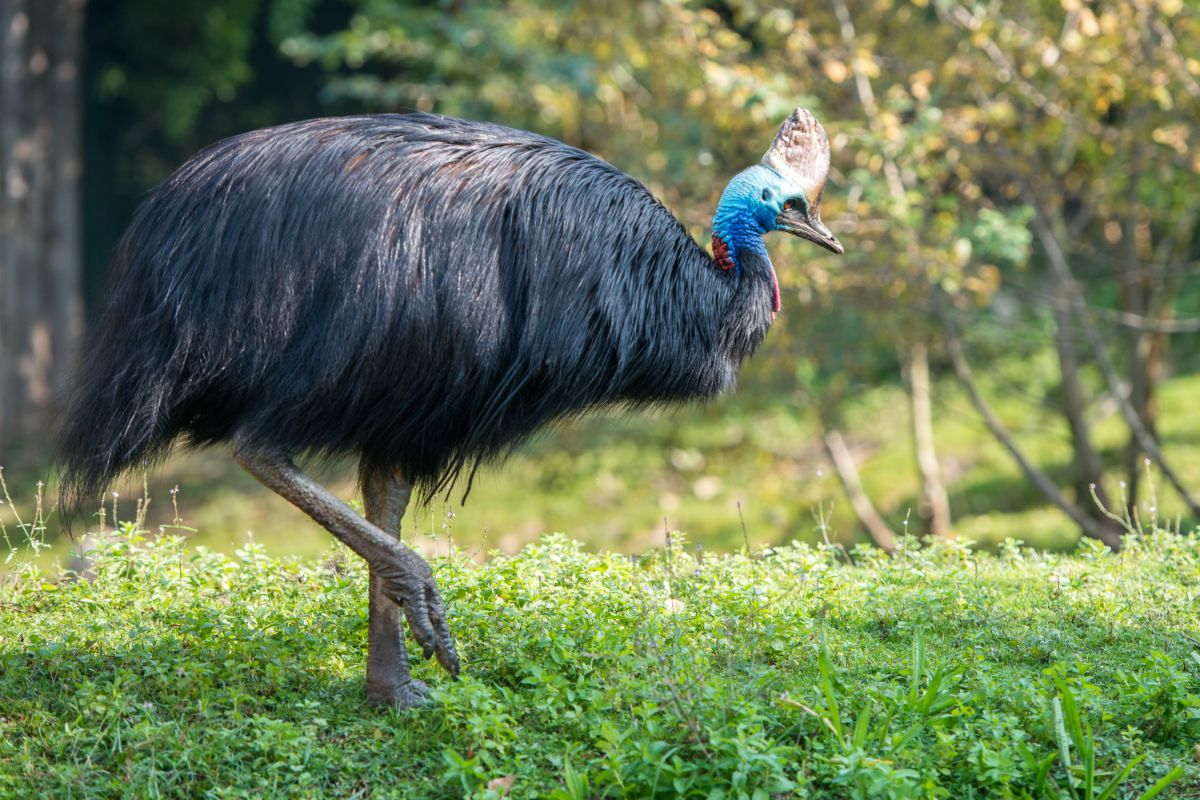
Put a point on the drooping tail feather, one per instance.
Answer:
(121, 402)
(110, 427)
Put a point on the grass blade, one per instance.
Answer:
(918, 667)
(1112, 785)
(826, 666)
(1161, 784)
(860, 726)
(1071, 713)
(1060, 734)
(1042, 775)
(1088, 754)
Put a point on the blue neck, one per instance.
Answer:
(742, 218)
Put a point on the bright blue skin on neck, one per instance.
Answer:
(749, 207)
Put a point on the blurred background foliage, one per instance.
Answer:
(1017, 186)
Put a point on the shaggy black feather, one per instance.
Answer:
(421, 291)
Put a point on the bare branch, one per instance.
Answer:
(1147, 324)
(1062, 269)
(934, 500)
(1126, 319)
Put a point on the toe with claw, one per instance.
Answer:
(418, 595)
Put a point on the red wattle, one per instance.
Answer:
(775, 304)
(721, 254)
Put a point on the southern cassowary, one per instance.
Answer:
(422, 293)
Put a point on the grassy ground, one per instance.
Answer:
(940, 673)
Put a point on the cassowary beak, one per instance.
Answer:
(807, 225)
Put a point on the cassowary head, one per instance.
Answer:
(782, 193)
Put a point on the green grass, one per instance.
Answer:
(940, 673)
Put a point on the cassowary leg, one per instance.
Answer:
(385, 496)
(403, 575)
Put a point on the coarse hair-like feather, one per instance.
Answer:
(420, 291)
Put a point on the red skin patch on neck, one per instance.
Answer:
(721, 253)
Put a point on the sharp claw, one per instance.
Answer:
(423, 631)
(449, 660)
(447, 655)
(426, 614)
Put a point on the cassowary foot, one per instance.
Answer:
(389, 682)
(413, 694)
(403, 576)
(417, 595)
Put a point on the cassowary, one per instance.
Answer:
(421, 293)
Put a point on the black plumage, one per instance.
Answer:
(417, 290)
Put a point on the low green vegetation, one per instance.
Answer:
(789, 671)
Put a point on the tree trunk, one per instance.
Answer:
(1147, 352)
(1088, 467)
(1104, 531)
(1134, 299)
(40, 216)
(934, 504)
(1043, 228)
(843, 462)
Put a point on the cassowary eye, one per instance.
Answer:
(790, 204)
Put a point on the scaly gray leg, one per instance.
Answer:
(404, 576)
(385, 496)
